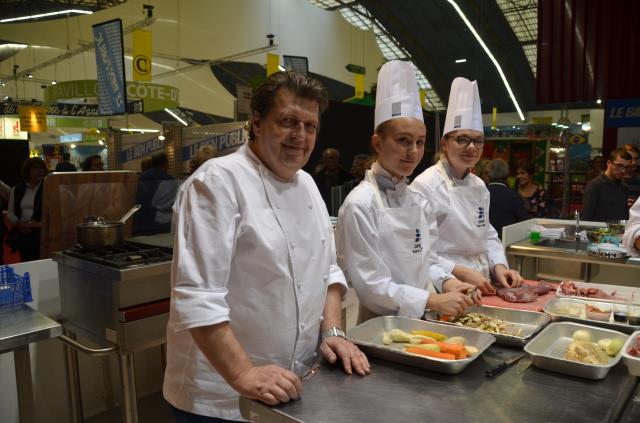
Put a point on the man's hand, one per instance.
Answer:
(508, 278)
(474, 278)
(270, 384)
(451, 303)
(451, 285)
(352, 358)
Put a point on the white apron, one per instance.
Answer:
(401, 242)
(462, 236)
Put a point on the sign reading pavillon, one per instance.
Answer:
(154, 96)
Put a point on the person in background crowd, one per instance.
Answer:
(156, 194)
(631, 238)
(383, 233)
(460, 199)
(25, 210)
(93, 164)
(605, 197)
(596, 168)
(359, 166)
(534, 198)
(505, 206)
(634, 147)
(204, 153)
(630, 176)
(329, 174)
(247, 313)
(145, 164)
(65, 165)
(481, 170)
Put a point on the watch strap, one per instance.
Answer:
(333, 331)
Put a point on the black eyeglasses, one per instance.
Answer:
(464, 141)
(623, 167)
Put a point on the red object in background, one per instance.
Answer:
(587, 50)
(8, 256)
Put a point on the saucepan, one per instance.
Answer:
(98, 233)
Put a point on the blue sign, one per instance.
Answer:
(220, 142)
(112, 95)
(142, 149)
(623, 113)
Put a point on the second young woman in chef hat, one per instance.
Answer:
(383, 236)
(460, 199)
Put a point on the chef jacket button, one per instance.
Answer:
(325, 277)
(315, 354)
(321, 318)
(323, 240)
(303, 326)
(310, 207)
(293, 245)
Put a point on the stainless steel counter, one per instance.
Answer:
(394, 392)
(631, 413)
(524, 248)
(20, 326)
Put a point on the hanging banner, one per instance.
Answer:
(142, 49)
(494, 118)
(622, 113)
(142, 149)
(33, 118)
(273, 63)
(220, 142)
(107, 39)
(423, 97)
(359, 82)
(10, 129)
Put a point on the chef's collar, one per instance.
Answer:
(254, 157)
(451, 172)
(385, 180)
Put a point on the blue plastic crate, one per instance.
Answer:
(14, 289)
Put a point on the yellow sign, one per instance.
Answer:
(359, 85)
(542, 120)
(494, 118)
(33, 118)
(142, 49)
(273, 63)
(423, 97)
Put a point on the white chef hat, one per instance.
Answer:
(397, 93)
(464, 110)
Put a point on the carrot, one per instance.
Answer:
(455, 349)
(428, 353)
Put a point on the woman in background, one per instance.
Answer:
(534, 197)
(25, 210)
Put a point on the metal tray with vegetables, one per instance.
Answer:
(443, 349)
(513, 328)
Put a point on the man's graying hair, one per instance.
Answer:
(298, 84)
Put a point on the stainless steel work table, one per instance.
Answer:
(631, 413)
(397, 393)
(20, 326)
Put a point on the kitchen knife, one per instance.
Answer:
(503, 365)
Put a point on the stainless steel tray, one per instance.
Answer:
(626, 293)
(552, 307)
(548, 348)
(368, 336)
(528, 323)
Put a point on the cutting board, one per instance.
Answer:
(537, 305)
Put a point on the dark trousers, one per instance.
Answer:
(186, 417)
(29, 246)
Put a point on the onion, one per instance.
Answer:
(582, 335)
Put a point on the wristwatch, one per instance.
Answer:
(333, 331)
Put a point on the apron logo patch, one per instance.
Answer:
(417, 243)
(396, 109)
(457, 121)
(481, 222)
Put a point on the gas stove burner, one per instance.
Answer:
(130, 254)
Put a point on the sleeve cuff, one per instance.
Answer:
(414, 302)
(192, 307)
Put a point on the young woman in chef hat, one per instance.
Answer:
(467, 243)
(383, 239)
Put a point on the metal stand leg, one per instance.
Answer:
(22, 363)
(73, 380)
(128, 374)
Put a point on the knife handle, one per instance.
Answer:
(497, 369)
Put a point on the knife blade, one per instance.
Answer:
(503, 365)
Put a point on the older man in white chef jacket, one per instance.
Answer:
(631, 238)
(254, 280)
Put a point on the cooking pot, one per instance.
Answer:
(100, 233)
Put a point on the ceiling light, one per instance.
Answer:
(73, 146)
(598, 101)
(142, 131)
(461, 60)
(46, 15)
(161, 137)
(281, 68)
(586, 127)
(54, 82)
(100, 142)
(493, 59)
(178, 118)
(29, 75)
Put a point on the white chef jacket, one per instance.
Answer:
(26, 204)
(632, 230)
(457, 248)
(385, 286)
(257, 252)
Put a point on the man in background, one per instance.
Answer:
(605, 197)
(631, 177)
(329, 174)
(65, 165)
(358, 169)
(156, 193)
